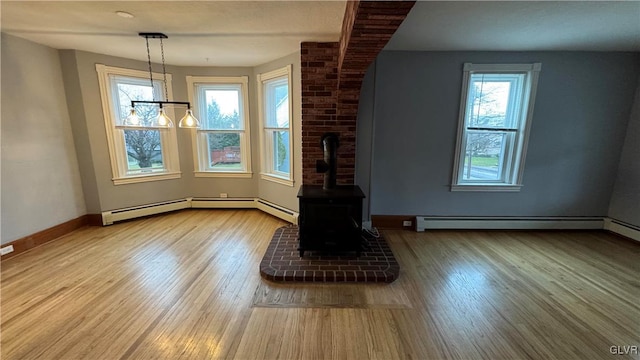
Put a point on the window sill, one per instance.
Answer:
(276, 179)
(486, 188)
(147, 177)
(216, 174)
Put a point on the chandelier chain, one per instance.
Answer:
(164, 71)
(150, 70)
(162, 120)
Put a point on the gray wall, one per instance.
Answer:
(41, 184)
(578, 129)
(80, 130)
(212, 187)
(87, 118)
(364, 138)
(625, 202)
(86, 109)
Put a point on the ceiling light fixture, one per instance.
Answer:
(162, 120)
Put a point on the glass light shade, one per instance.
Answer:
(132, 119)
(162, 121)
(189, 121)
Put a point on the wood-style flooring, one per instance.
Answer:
(186, 285)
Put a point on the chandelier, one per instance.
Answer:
(162, 120)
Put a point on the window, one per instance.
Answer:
(274, 94)
(137, 154)
(221, 145)
(495, 116)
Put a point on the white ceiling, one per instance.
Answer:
(249, 33)
(201, 33)
(520, 26)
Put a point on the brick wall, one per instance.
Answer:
(332, 76)
(319, 65)
(350, 13)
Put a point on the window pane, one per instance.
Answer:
(144, 152)
(277, 103)
(128, 92)
(281, 151)
(224, 151)
(484, 156)
(490, 94)
(223, 110)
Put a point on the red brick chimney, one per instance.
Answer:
(332, 76)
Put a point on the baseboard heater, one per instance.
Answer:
(508, 223)
(622, 228)
(223, 203)
(109, 217)
(277, 211)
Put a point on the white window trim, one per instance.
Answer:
(283, 180)
(192, 82)
(531, 83)
(115, 137)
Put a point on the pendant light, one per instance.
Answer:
(162, 121)
(189, 121)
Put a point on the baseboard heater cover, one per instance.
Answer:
(109, 217)
(509, 223)
(223, 203)
(277, 211)
(622, 228)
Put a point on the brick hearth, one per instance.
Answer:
(282, 262)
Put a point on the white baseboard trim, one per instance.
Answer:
(622, 228)
(506, 223)
(109, 217)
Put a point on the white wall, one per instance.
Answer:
(625, 201)
(40, 178)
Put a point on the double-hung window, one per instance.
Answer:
(495, 116)
(221, 145)
(274, 94)
(141, 153)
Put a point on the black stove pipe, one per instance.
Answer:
(329, 166)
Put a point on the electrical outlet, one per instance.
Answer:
(7, 249)
(407, 223)
(223, 195)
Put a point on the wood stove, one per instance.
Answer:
(330, 215)
(330, 219)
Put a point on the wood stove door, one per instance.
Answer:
(330, 224)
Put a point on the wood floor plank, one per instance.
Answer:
(186, 285)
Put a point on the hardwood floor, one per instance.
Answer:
(187, 285)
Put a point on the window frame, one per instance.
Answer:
(513, 163)
(267, 153)
(198, 140)
(115, 133)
